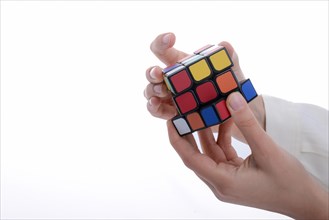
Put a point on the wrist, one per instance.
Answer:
(319, 203)
(311, 203)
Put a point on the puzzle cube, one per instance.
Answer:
(200, 84)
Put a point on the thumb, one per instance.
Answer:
(245, 120)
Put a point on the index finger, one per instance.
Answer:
(162, 47)
(201, 164)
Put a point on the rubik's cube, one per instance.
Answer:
(200, 84)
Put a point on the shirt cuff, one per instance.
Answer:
(281, 123)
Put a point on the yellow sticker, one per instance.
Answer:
(200, 70)
(220, 60)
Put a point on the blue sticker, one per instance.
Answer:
(248, 90)
(209, 116)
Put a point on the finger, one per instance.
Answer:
(160, 109)
(235, 59)
(157, 90)
(228, 47)
(244, 119)
(154, 74)
(191, 140)
(162, 47)
(201, 164)
(210, 147)
(224, 140)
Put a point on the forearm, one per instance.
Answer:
(312, 204)
(320, 209)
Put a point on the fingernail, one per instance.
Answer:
(151, 102)
(152, 73)
(236, 101)
(158, 89)
(166, 39)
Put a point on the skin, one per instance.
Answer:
(270, 178)
(160, 104)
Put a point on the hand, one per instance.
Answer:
(269, 178)
(159, 99)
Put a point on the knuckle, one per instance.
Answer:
(147, 72)
(154, 111)
(174, 141)
(225, 193)
(248, 122)
(189, 162)
(147, 91)
(154, 47)
(225, 186)
(148, 106)
(151, 110)
(144, 93)
(164, 91)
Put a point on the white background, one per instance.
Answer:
(76, 138)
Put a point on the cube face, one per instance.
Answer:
(200, 84)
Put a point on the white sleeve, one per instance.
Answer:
(302, 130)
